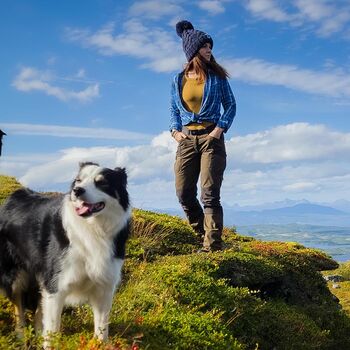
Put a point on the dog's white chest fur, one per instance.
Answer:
(88, 262)
(82, 274)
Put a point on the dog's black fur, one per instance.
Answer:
(42, 237)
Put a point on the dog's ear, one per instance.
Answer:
(82, 164)
(122, 175)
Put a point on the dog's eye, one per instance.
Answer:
(100, 181)
(77, 180)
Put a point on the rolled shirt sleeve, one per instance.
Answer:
(229, 104)
(175, 118)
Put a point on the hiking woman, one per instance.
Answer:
(196, 123)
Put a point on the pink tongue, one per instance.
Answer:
(82, 210)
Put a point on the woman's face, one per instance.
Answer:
(205, 51)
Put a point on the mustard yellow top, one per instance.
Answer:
(192, 94)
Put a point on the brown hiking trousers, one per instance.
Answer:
(205, 157)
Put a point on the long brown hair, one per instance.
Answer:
(202, 67)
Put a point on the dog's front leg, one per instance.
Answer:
(38, 319)
(52, 306)
(19, 314)
(101, 303)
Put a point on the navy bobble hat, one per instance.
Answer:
(192, 39)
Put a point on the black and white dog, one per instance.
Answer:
(65, 249)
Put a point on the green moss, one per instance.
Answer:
(6, 316)
(343, 292)
(156, 235)
(206, 285)
(254, 295)
(343, 270)
(7, 186)
(291, 252)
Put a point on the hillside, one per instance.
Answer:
(254, 295)
(332, 239)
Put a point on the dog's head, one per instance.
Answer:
(95, 189)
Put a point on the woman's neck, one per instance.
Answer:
(192, 74)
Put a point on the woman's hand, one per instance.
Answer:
(179, 135)
(216, 133)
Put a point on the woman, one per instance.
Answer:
(198, 126)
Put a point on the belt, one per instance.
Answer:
(198, 131)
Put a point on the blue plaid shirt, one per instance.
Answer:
(217, 91)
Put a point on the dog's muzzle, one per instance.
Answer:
(86, 209)
(78, 191)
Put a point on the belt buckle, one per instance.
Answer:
(198, 132)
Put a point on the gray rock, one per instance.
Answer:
(334, 278)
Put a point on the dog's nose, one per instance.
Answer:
(78, 191)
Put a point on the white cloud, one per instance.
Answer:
(81, 73)
(162, 53)
(31, 79)
(267, 9)
(155, 9)
(140, 165)
(290, 143)
(335, 24)
(324, 17)
(300, 187)
(157, 193)
(294, 161)
(63, 168)
(75, 132)
(159, 49)
(17, 165)
(329, 17)
(314, 10)
(330, 83)
(214, 7)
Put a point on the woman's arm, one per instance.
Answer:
(229, 104)
(175, 119)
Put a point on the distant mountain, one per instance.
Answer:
(303, 213)
(269, 205)
(297, 212)
(304, 209)
(341, 204)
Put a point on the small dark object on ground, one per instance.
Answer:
(1, 135)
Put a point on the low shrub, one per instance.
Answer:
(158, 298)
(155, 235)
(254, 295)
(343, 270)
(7, 186)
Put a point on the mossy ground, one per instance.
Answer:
(7, 186)
(343, 290)
(254, 295)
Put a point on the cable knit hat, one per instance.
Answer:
(192, 39)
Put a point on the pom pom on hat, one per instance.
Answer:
(192, 39)
(182, 26)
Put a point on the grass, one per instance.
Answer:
(254, 295)
(343, 292)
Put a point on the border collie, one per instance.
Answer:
(65, 249)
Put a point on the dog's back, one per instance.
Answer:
(24, 242)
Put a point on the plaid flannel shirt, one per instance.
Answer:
(217, 92)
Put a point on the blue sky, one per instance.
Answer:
(90, 80)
